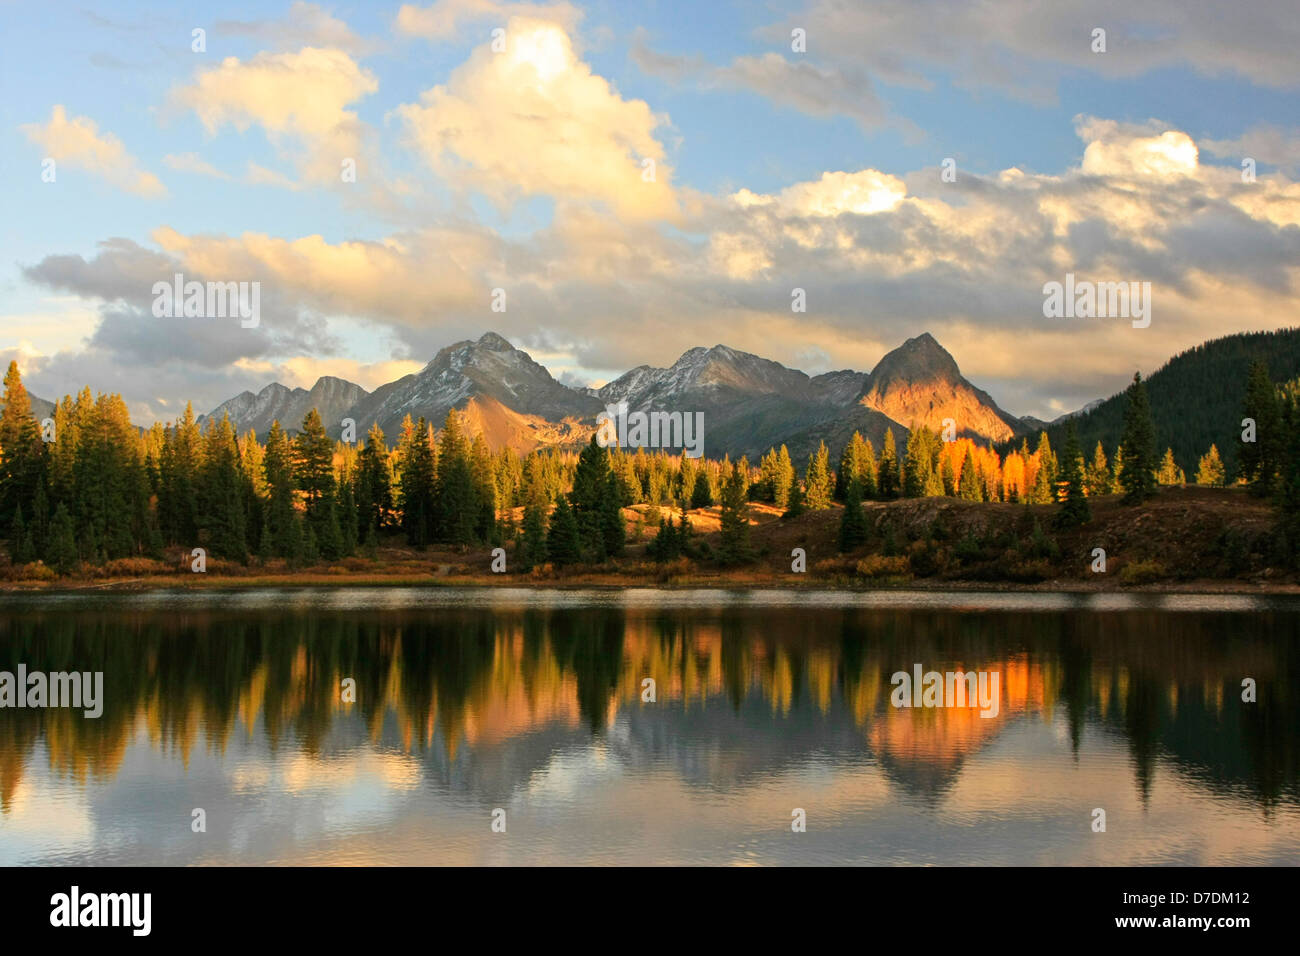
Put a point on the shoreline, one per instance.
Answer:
(607, 582)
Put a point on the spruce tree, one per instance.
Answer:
(1139, 445)
(968, 484)
(733, 543)
(1258, 461)
(457, 507)
(853, 524)
(533, 545)
(1075, 509)
(701, 495)
(819, 484)
(61, 553)
(888, 482)
(563, 543)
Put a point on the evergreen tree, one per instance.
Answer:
(417, 484)
(314, 465)
(819, 485)
(968, 483)
(22, 453)
(701, 495)
(1258, 461)
(733, 543)
(21, 549)
(613, 528)
(374, 485)
(563, 543)
(456, 502)
(533, 546)
(888, 480)
(1138, 446)
(61, 553)
(591, 488)
(280, 522)
(1075, 509)
(853, 524)
(794, 498)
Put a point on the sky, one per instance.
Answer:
(638, 180)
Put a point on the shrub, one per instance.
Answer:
(1142, 572)
(884, 566)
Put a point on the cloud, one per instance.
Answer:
(305, 25)
(535, 120)
(1272, 145)
(300, 99)
(192, 163)
(78, 143)
(1126, 150)
(443, 20)
(796, 83)
(880, 256)
(1025, 49)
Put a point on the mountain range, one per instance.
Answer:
(751, 404)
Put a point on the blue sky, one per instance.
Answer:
(474, 188)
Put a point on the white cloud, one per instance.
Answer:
(77, 142)
(301, 100)
(535, 120)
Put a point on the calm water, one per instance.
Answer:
(531, 702)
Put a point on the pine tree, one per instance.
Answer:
(563, 543)
(591, 486)
(968, 484)
(281, 520)
(1210, 470)
(22, 453)
(417, 484)
(920, 462)
(853, 524)
(733, 539)
(21, 549)
(374, 485)
(1259, 460)
(613, 528)
(701, 495)
(888, 481)
(1138, 445)
(1075, 509)
(61, 553)
(456, 504)
(533, 545)
(819, 486)
(794, 498)
(314, 464)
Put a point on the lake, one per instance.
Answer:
(397, 726)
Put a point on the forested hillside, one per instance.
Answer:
(1196, 398)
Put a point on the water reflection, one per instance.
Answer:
(534, 704)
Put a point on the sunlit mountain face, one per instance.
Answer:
(538, 705)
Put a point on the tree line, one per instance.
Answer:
(97, 489)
